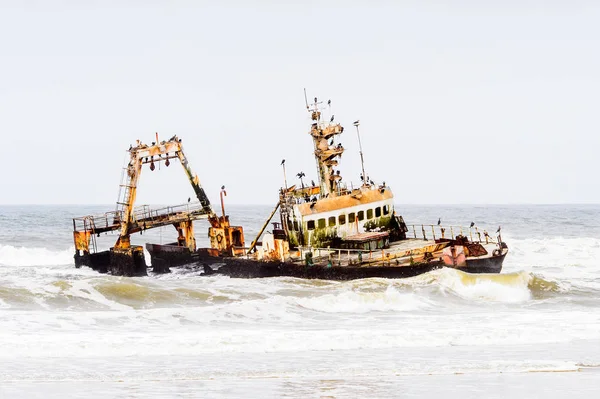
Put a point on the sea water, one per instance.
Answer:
(531, 331)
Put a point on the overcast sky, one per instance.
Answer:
(459, 101)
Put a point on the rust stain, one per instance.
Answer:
(356, 197)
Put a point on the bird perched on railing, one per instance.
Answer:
(439, 221)
(472, 224)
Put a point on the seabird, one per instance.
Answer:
(439, 221)
(282, 161)
(312, 182)
(472, 224)
(189, 199)
(332, 117)
(499, 228)
(222, 187)
(328, 102)
(356, 122)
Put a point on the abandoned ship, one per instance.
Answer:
(327, 230)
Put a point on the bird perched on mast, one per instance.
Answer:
(300, 176)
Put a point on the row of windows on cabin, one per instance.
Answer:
(341, 220)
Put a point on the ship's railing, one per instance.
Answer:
(97, 222)
(349, 257)
(343, 188)
(143, 213)
(436, 232)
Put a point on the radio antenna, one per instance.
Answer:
(362, 162)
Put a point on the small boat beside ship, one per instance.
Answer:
(326, 230)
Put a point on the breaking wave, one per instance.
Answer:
(363, 302)
(25, 256)
(89, 291)
(509, 287)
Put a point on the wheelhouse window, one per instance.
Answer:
(310, 225)
(321, 223)
(342, 219)
(369, 214)
(351, 217)
(331, 221)
(378, 212)
(361, 215)
(386, 209)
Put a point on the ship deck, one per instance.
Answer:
(399, 253)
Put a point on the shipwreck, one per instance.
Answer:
(327, 229)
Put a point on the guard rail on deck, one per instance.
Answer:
(143, 214)
(348, 257)
(428, 232)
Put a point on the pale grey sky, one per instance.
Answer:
(459, 101)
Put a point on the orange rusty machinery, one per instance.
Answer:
(224, 238)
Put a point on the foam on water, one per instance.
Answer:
(441, 322)
(352, 301)
(571, 257)
(26, 256)
(509, 288)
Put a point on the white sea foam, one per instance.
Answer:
(571, 261)
(508, 288)
(25, 256)
(163, 332)
(352, 301)
(569, 254)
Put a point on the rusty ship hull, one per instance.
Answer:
(242, 268)
(401, 259)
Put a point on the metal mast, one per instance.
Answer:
(362, 161)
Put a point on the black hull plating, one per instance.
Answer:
(244, 268)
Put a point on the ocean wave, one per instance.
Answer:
(353, 301)
(26, 256)
(505, 287)
(555, 252)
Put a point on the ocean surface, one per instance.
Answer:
(532, 331)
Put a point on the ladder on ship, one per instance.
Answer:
(123, 196)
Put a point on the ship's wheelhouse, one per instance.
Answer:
(321, 223)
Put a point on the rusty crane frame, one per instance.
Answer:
(126, 259)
